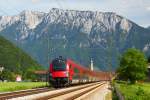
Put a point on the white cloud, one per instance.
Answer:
(35, 1)
(148, 8)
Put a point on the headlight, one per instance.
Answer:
(66, 73)
(67, 67)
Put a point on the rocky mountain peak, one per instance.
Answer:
(125, 25)
(31, 18)
(107, 21)
(6, 21)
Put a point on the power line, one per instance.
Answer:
(5, 13)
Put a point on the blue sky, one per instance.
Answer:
(135, 10)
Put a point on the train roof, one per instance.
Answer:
(59, 58)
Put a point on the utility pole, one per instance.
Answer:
(48, 48)
(19, 57)
(111, 45)
(48, 54)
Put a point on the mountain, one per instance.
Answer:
(148, 27)
(80, 35)
(15, 61)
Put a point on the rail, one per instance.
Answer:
(5, 96)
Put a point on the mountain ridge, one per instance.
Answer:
(78, 35)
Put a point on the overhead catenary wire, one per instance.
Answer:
(4, 13)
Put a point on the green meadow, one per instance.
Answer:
(138, 91)
(14, 86)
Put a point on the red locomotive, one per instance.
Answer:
(63, 72)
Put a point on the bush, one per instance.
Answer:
(140, 91)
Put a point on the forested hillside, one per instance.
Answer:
(15, 61)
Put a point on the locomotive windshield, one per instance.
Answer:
(59, 65)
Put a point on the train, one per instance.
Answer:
(64, 72)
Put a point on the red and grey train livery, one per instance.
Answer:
(62, 72)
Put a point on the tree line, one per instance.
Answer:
(133, 66)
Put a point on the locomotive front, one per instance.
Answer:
(59, 72)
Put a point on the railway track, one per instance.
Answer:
(77, 95)
(70, 93)
(5, 96)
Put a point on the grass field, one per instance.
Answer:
(13, 86)
(138, 91)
